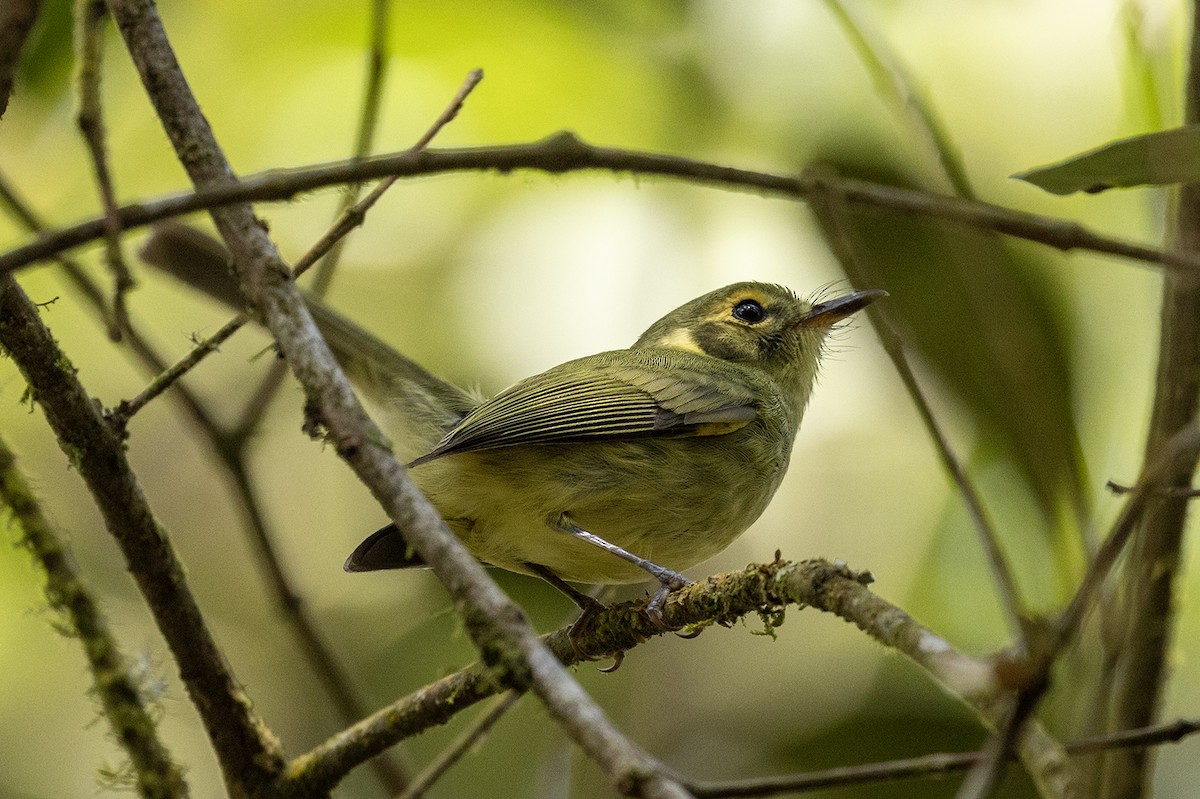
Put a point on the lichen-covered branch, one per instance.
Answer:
(97, 453)
(156, 774)
(759, 590)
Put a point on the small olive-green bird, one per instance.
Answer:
(604, 469)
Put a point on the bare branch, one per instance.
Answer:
(473, 735)
(926, 766)
(90, 18)
(564, 152)
(722, 600)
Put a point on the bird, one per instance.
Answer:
(608, 469)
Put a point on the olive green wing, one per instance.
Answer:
(621, 394)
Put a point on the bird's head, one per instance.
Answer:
(758, 325)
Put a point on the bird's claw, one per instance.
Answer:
(618, 658)
(669, 582)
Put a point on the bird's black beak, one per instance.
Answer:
(826, 314)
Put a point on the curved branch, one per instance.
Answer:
(764, 590)
(564, 152)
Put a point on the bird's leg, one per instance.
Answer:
(590, 606)
(668, 580)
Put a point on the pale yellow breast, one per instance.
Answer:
(675, 502)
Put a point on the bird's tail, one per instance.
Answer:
(425, 405)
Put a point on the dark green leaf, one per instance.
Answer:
(982, 313)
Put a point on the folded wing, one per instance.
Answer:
(622, 394)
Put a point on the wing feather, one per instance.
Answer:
(620, 394)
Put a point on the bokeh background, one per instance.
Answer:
(487, 278)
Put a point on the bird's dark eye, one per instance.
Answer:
(749, 311)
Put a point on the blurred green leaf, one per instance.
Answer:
(983, 315)
(1152, 159)
(46, 63)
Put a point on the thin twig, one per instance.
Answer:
(564, 152)
(90, 19)
(349, 219)
(452, 754)
(166, 378)
(1160, 467)
(353, 216)
(830, 210)
(133, 725)
(1166, 491)
(377, 60)
(149, 357)
(926, 766)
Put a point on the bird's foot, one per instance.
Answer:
(668, 582)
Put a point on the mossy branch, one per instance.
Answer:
(132, 722)
(97, 453)
(758, 590)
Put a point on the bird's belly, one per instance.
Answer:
(503, 503)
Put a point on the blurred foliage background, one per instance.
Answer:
(1039, 364)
